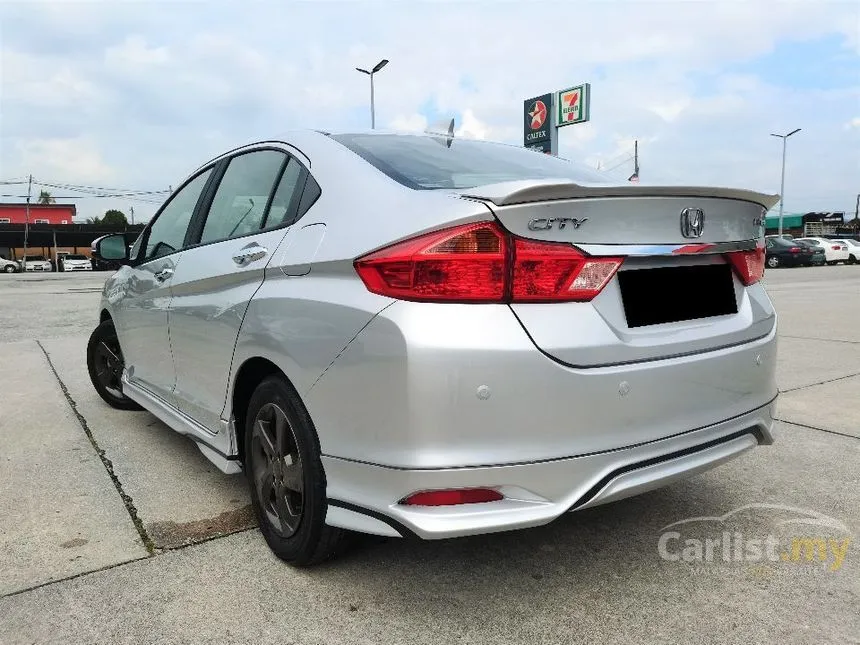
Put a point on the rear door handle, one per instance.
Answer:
(250, 254)
(164, 274)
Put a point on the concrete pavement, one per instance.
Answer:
(594, 575)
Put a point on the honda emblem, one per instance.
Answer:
(692, 222)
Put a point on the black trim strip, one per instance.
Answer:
(404, 531)
(594, 490)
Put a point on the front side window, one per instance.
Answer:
(167, 234)
(240, 201)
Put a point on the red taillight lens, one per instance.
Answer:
(482, 263)
(463, 264)
(836, 248)
(552, 272)
(794, 249)
(749, 265)
(452, 497)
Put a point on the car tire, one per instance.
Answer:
(772, 262)
(9, 269)
(105, 364)
(285, 476)
(832, 263)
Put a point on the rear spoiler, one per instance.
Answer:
(523, 192)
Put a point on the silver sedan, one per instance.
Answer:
(406, 335)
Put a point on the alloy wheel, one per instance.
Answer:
(109, 365)
(277, 470)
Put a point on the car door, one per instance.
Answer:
(140, 314)
(249, 214)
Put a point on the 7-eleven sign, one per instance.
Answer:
(573, 105)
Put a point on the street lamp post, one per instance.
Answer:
(782, 181)
(373, 71)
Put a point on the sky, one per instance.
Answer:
(134, 95)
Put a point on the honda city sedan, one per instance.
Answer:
(411, 335)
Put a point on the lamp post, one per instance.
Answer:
(373, 71)
(782, 181)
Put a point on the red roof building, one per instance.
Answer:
(39, 213)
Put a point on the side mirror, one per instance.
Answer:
(111, 247)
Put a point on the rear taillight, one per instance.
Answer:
(836, 248)
(794, 249)
(749, 265)
(462, 264)
(482, 263)
(452, 497)
(553, 272)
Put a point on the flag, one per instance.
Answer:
(634, 178)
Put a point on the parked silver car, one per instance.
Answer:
(404, 335)
(9, 266)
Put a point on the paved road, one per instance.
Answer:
(115, 530)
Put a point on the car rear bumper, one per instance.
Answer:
(461, 385)
(364, 497)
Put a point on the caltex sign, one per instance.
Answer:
(573, 105)
(539, 129)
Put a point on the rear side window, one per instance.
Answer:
(310, 195)
(286, 194)
(240, 201)
(424, 162)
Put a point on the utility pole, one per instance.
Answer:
(784, 137)
(636, 159)
(27, 222)
(370, 73)
(634, 178)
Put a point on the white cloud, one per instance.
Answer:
(409, 123)
(69, 160)
(472, 127)
(150, 90)
(134, 51)
(669, 111)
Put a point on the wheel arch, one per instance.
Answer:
(250, 374)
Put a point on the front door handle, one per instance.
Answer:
(250, 254)
(164, 274)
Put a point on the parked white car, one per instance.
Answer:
(853, 250)
(75, 263)
(9, 266)
(38, 263)
(834, 250)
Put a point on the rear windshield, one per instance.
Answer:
(424, 162)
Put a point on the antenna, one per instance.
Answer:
(442, 131)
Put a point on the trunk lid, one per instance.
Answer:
(633, 214)
(684, 297)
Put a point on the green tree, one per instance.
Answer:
(45, 197)
(113, 217)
